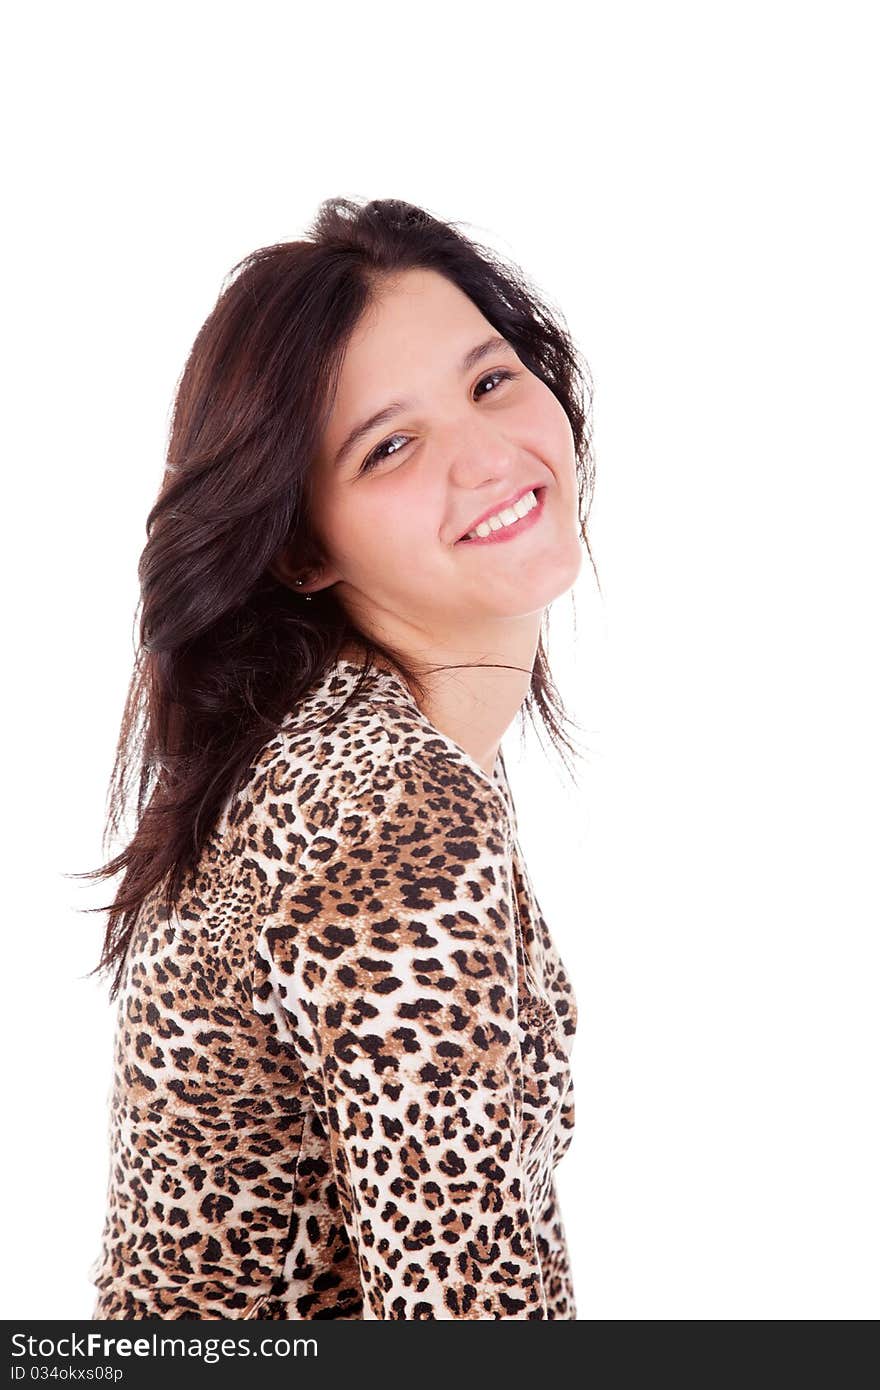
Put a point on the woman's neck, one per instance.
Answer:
(475, 701)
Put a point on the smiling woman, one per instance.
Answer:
(469, 443)
(341, 1079)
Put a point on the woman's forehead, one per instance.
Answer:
(419, 329)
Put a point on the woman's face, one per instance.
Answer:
(458, 440)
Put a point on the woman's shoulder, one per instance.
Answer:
(355, 745)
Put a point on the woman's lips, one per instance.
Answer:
(517, 528)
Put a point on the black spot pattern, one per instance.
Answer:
(341, 1076)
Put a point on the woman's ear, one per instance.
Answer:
(302, 578)
(284, 571)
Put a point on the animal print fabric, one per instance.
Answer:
(341, 1078)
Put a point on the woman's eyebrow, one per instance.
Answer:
(382, 417)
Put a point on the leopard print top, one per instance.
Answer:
(341, 1077)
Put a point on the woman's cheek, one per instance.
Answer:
(373, 537)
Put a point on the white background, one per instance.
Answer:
(695, 186)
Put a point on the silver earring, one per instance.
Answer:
(307, 597)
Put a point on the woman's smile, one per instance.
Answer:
(507, 531)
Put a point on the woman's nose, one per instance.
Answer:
(476, 451)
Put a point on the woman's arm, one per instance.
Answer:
(389, 962)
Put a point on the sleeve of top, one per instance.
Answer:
(390, 956)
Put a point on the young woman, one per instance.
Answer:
(342, 1079)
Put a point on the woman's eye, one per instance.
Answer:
(378, 455)
(501, 374)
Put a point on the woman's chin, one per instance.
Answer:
(526, 593)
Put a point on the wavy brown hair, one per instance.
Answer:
(226, 650)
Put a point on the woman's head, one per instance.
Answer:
(434, 422)
(380, 303)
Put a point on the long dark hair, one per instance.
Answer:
(226, 649)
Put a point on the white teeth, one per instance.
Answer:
(505, 518)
